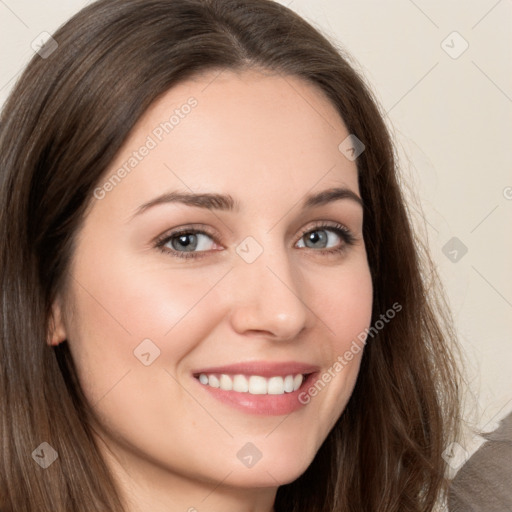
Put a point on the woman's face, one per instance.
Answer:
(223, 249)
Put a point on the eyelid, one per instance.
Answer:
(160, 241)
(187, 228)
(326, 224)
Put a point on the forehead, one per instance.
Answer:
(250, 134)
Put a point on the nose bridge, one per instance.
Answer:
(268, 296)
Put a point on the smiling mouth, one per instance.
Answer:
(253, 384)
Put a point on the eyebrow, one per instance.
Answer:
(208, 201)
(330, 195)
(225, 202)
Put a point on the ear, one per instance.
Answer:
(56, 329)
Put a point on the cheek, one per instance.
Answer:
(122, 303)
(343, 302)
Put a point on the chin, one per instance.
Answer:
(265, 478)
(278, 468)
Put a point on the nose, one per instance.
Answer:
(267, 298)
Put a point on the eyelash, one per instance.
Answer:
(342, 231)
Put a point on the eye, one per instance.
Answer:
(189, 242)
(326, 238)
(186, 243)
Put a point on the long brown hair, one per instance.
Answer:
(62, 126)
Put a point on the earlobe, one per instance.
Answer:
(56, 329)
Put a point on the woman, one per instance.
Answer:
(212, 295)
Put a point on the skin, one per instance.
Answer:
(267, 141)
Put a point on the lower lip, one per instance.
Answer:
(270, 405)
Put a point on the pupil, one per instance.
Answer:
(187, 242)
(317, 236)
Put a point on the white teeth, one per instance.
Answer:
(275, 386)
(257, 385)
(253, 384)
(288, 383)
(240, 384)
(226, 383)
(213, 381)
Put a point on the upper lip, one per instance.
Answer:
(262, 368)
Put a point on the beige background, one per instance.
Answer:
(451, 113)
